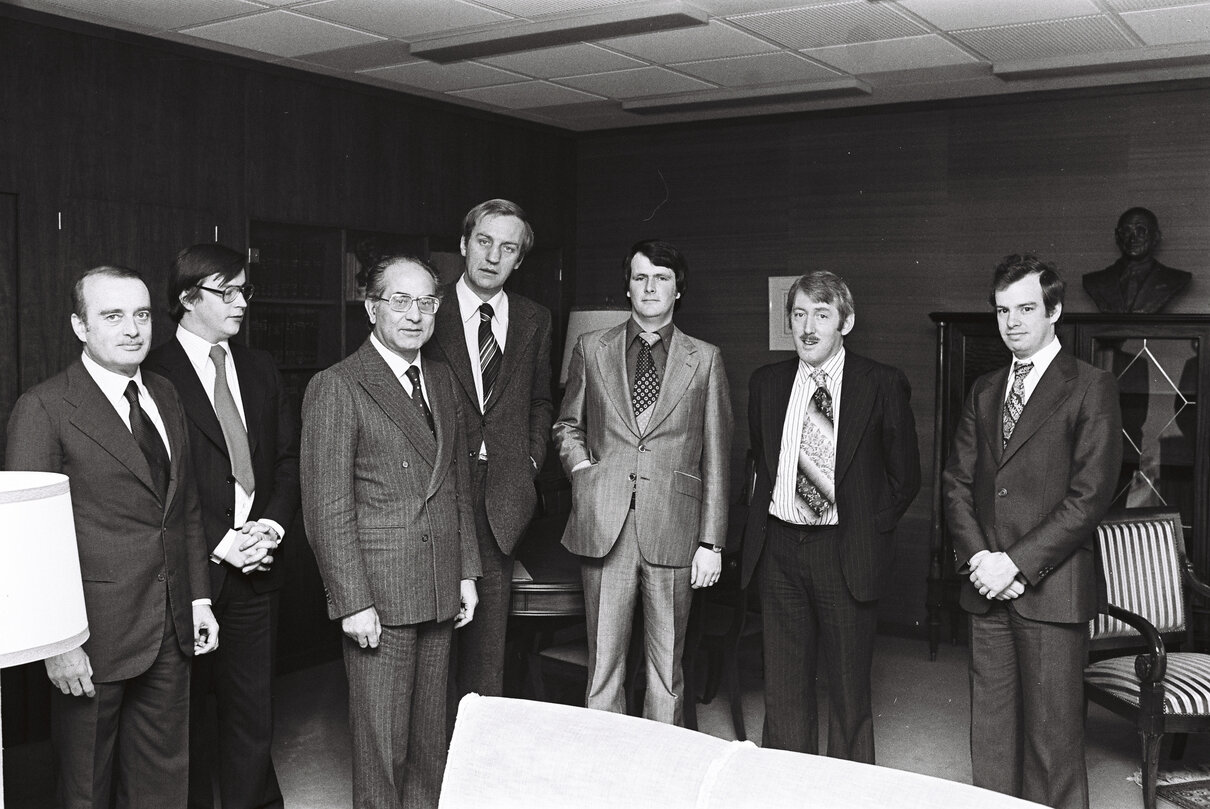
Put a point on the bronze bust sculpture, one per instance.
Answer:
(1136, 282)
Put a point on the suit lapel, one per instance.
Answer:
(162, 392)
(611, 362)
(388, 393)
(776, 405)
(451, 339)
(96, 418)
(440, 388)
(1053, 389)
(682, 365)
(198, 408)
(856, 403)
(990, 406)
(521, 330)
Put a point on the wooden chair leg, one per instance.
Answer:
(1151, 765)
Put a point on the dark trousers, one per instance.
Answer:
(1027, 707)
(397, 697)
(240, 675)
(128, 746)
(807, 611)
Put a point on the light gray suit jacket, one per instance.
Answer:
(387, 506)
(677, 469)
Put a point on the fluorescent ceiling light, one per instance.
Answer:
(722, 99)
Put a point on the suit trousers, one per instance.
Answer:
(240, 675)
(613, 586)
(478, 659)
(397, 703)
(808, 611)
(127, 747)
(1027, 707)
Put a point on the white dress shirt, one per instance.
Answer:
(468, 305)
(1041, 359)
(399, 367)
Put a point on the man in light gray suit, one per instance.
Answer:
(387, 504)
(644, 433)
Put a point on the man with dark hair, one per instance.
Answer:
(117, 721)
(1032, 470)
(644, 433)
(837, 465)
(387, 503)
(243, 434)
(1136, 282)
(497, 344)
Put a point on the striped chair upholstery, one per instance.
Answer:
(1142, 567)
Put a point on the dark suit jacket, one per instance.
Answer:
(272, 440)
(677, 469)
(387, 506)
(516, 422)
(134, 548)
(1162, 285)
(877, 463)
(1041, 497)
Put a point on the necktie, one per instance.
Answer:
(149, 441)
(1016, 399)
(413, 375)
(816, 482)
(228, 419)
(490, 355)
(646, 387)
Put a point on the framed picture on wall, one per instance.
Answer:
(780, 338)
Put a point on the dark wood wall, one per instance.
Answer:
(912, 206)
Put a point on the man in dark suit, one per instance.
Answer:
(644, 433)
(1032, 470)
(387, 506)
(497, 344)
(243, 437)
(119, 716)
(837, 464)
(1136, 282)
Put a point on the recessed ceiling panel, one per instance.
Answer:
(643, 81)
(949, 15)
(156, 15)
(894, 54)
(527, 95)
(408, 20)
(832, 24)
(363, 57)
(705, 42)
(1169, 26)
(1046, 39)
(764, 68)
(564, 60)
(444, 78)
(282, 33)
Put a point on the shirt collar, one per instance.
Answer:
(398, 364)
(112, 384)
(833, 366)
(633, 330)
(197, 349)
(469, 302)
(1042, 358)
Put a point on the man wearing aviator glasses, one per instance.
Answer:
(243, 433)
(387, 504)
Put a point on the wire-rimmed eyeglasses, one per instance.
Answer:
(402, 302)
(229, 294)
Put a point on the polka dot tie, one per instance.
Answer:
(646, 381)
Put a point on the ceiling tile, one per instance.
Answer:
(408, 20)
(531, 9)
(363, 57)
(832, 24)
(564, 60)
(725, 8)
(1045, 39)
(1165, 27)
(527, 95)
(643, 81)
(949, 15)
(282, 33)
(893, 54)
(444, 78)
(156, 15)
(764, 68)
(1143, 5)
(710, 41)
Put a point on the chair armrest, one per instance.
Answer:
(1152, 666)
(1197, 585)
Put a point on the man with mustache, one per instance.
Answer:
(243, 437)
(837, 465)
(118, 720)
(1136, 282)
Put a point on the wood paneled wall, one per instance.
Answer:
(914, 207)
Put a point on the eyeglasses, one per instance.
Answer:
(229, 294)
(402, 302)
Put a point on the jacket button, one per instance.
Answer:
(632, 476)
(642, 447)
(424, 538)
(1002, 493)
(231, 478)
(230, 512)
(160, 577)
(405, 464)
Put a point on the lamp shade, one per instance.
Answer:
(41, 596)
(584, 319)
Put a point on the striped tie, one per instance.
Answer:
(490, 355)
(1016, 399)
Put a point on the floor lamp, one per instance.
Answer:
(41, 596)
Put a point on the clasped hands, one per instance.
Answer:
(254, 552)
(996, 576)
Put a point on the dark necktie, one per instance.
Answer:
(1016, 399)
(816, 481)
(413, 375)
(646, 387)
(490, 355)
(233, 428)
(149, 441)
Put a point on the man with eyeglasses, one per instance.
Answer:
(1136, 282)
(243, 433)
(387, 504)
(119, 434)
(497, 344)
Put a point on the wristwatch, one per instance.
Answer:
(708, 546)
